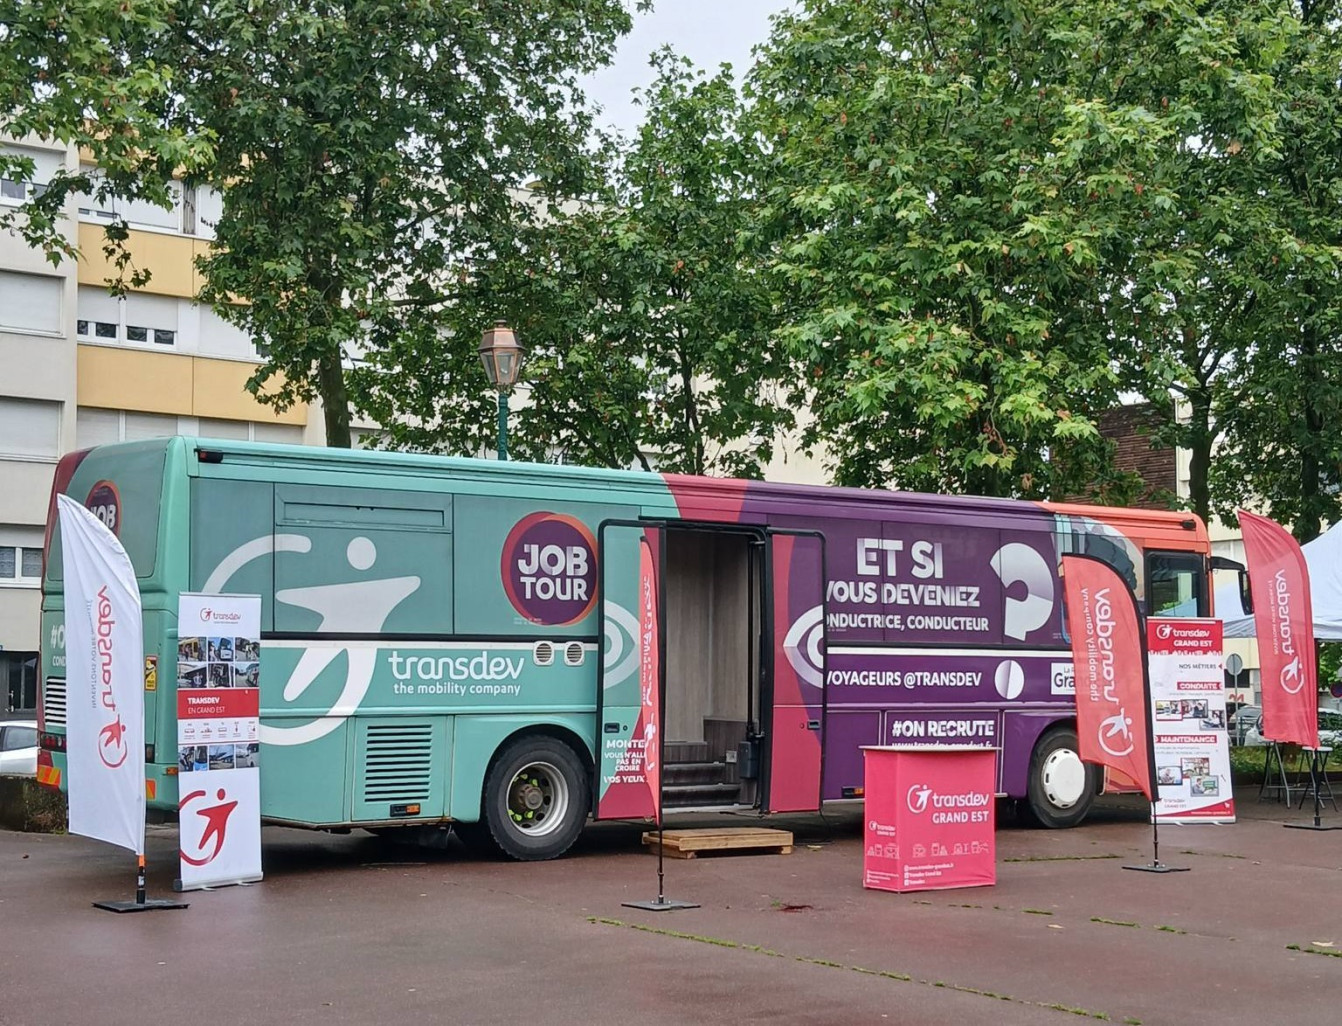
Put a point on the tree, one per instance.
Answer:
(647, 316)
(365, 151)
(73, 71)
(363, 147)
(1280, 408)
(958, 193)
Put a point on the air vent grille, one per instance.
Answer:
(573, 653)
(398, 762)
(53, 702)
(543, 653)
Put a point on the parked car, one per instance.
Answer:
(18, 748)
(1241, 720)
(1330, 730)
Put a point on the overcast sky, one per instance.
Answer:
(708, 32)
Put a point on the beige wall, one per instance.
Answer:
(170, 259)
(20, 616)
(117, 378)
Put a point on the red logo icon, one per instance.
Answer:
(112, 748)
(216, 825)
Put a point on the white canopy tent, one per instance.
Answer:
(1324, 557)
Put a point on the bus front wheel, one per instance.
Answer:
(1061, 787)
(536, 798)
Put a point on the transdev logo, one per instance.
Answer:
(549, 569)
(921, 796)
(208, 615)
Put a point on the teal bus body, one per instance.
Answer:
(452, 640)
(454, 663)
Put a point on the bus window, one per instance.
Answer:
(1176, 584)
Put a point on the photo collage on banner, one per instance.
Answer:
(218, 738)
(1189, 720)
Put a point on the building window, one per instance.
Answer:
(18, 672)
(30, 303)
(137, 318)
(30, 428)
(20, 564)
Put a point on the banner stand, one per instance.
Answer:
(652, 670)
(141, 903)
(1155, 865)
(1317, 761)
(662, 903)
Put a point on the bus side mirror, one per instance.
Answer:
(1245, 595)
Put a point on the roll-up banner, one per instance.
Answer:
(1189, 720)
(218, 739)
(1112, 711)
(1284, 618)
(104, 650)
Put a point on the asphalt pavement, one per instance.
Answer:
(354, 929)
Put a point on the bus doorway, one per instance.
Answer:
(744, 652)
(714, 660)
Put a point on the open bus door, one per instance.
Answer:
(794, 693)
(631, 600)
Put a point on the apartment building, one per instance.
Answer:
(83, 367)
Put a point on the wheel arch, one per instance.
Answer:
(479, 741)
(1022, 732)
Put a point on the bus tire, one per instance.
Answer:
(536, 798)
(1061, 787)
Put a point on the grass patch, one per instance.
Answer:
(1036, 912)
(1114, 922)
(1170, 929)
(1308, 950)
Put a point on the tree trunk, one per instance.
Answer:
(335, 401)
(1200, 453)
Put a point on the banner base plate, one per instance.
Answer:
(148, 905)
(660, 905)
(1158, 867)
(1310, 826)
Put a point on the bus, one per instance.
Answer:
(454, 641)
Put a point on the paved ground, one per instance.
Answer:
(355, 930)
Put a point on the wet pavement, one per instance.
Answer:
(354, 929)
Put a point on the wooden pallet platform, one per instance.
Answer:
(689, 844)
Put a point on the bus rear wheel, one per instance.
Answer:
(536, 798)
(1061, 787)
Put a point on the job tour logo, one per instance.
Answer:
(104, 502)
(548, 569)
(112, 747)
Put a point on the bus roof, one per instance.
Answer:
(696, 497)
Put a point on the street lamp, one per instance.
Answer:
(502, 357)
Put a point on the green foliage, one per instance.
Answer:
(83, 73)
(368, 149)
(957, 193)
(647, 318)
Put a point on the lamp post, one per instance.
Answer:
(502, 357)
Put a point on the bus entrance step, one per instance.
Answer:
(682, 773)
(689, 844)
(697, 795)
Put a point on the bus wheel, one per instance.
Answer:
(1061, 787)
(536, 798)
